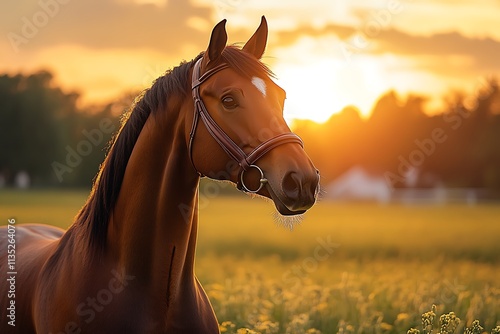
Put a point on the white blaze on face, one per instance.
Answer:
(260, 85)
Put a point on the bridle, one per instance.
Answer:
(245, 161)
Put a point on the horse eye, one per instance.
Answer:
(229, 102)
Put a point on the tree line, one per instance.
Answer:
(458, 147)
(45, 133)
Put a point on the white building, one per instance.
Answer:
(358, 184)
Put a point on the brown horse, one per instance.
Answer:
(126, 265)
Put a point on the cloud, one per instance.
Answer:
(484, 52)
(169, 29)
(290, 37)
(109, 24)
(80, 34)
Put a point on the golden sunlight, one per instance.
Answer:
(321, 79)
(323, 53)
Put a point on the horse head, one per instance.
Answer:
(245, 138)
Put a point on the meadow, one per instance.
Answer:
(346, 268)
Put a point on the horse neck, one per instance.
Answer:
(152, 231)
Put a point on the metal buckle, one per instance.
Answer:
(262, 180)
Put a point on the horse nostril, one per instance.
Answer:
(315, 184)
(313, 188)
(291, 185)
(299, 190)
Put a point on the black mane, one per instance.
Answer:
(94, 215)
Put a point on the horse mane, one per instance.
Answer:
(94, 215)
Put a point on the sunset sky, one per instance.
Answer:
(327, 54)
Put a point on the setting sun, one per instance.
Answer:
(316, 91)
(320, 85)
(327, 56)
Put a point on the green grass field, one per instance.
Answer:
(347, 268)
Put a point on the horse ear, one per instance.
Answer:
(257, 43)
(217, 43)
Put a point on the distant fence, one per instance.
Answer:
(443, 195)
(438, 195)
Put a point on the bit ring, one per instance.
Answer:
(262, 180)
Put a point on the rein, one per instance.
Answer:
(245, 161)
